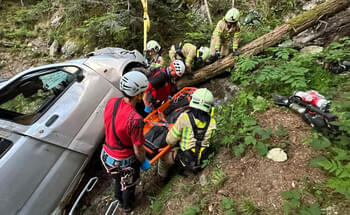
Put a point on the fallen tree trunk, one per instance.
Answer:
(292, 27)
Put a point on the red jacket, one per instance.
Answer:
(159, 86)
(128, 127)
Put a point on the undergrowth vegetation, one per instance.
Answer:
(283, 71)
(97, 24)
(120, 23)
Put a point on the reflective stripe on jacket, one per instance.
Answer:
(188, 50)
(182, 129)
(222, 34)
(157, 62)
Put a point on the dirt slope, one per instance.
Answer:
(252, 177)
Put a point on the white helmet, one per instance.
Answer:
(152, 44)
(204, 53)
(133, 83)
(178, 66)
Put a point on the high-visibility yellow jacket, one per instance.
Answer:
(157, 61)
(182, 130)
(189, 51)
(222, 34)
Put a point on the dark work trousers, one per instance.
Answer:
(126, 198)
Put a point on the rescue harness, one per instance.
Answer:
(115, 166)
(191, 158)
(119, 142)
(178, 51)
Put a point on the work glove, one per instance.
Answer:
(235, 53)
(148, 109)
(145, 165)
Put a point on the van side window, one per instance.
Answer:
(26, 99)
(4, 146)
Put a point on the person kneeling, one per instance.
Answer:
(190, 135)
(162, 81)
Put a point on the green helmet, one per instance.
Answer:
(202, 99)
(204, 53)
(152, 44)
(232, 15)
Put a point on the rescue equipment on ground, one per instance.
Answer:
(338, 67)
(313, 107)
(253, 17)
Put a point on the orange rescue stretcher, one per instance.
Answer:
(158, 118)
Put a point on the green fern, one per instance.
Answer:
(340, 185)
(218, 177)
(333, 166)
(247, 207)
(227, 206)
(191, 210)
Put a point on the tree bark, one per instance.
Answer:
(326, 31)
(292, 27)
(208, 11)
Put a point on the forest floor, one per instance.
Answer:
(251, 181)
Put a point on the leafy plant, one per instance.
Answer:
(157, 202)
(218, 177)
(227, 206)
(281, 131)
(340, 185)
(333, 166)
(295, 205)
(208, 161)
(247, 207)
(191, 210)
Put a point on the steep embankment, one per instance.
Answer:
(239, 178)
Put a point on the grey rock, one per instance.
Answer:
(222, 89)
(53, 50)
(277, 154)
(311, 50)
(70, 48)
(56, 21)
(287, 44)
(311, 5)
(203, 180)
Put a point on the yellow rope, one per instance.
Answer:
(146, 23)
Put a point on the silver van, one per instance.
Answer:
(51, 122)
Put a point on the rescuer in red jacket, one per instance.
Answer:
(123, 153)
(161, 81)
